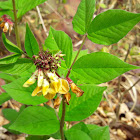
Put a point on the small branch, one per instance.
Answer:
(16, 26)
(62, 119)
(41, 19)
(84, 38)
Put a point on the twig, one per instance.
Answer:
(41, 19)
(16, 26)
(100, 118)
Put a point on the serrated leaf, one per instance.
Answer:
(80, 108)
(4, 97)
(10, 46)
(36, 120)
(18, 67)
(10, 59)
(22, 94)
(83, 17)
(109, 27)
(31, 45)
(58, 40)
(100, 67)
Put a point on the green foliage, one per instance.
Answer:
(109, 27)
(11, 115)
(31, 45)
(10, 59)
(98, 133)
(83, 17)
(75, 134)
(22, 94)
(21, 5)
(82, 107)
(25, 6)
(36, 120)
(58, 40)
(10, 46)
(4, 97)
(100, 67)
(7, 77)
(91, 132)
(37, 137)
(20, 66)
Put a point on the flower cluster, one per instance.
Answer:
(49, 83)
(6, 24)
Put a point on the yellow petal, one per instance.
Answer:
(49, 96)
(64, 87)
(76, 90)
(31, 80)
(55, 85)
(40, 78)
(45, 87)
(36, 91)
(39, 94)
(52, 76)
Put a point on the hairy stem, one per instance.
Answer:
(16, 26)
(84, 38)
(62, 119)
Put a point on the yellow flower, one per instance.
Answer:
(48, 88)
(31, 80)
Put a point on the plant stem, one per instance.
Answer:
(16, 26)
(62, 119)
(63, 100)
(84, 38)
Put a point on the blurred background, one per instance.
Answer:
(59, 14)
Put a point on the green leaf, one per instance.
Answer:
(31, 45)
(22, 94)
(7, 12)
(18, 67)
(80, 108)
(100, 67)
(82, 52)
(83, 17)
(10, 46)
(81, 126)
(75, 134)
(58, 40)
(8, 77)
(36, 120)
(10, 59)
(99, 133)
(4, 97)
(24, 7)
(109, 27)
(6, 5)
(10, 115)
